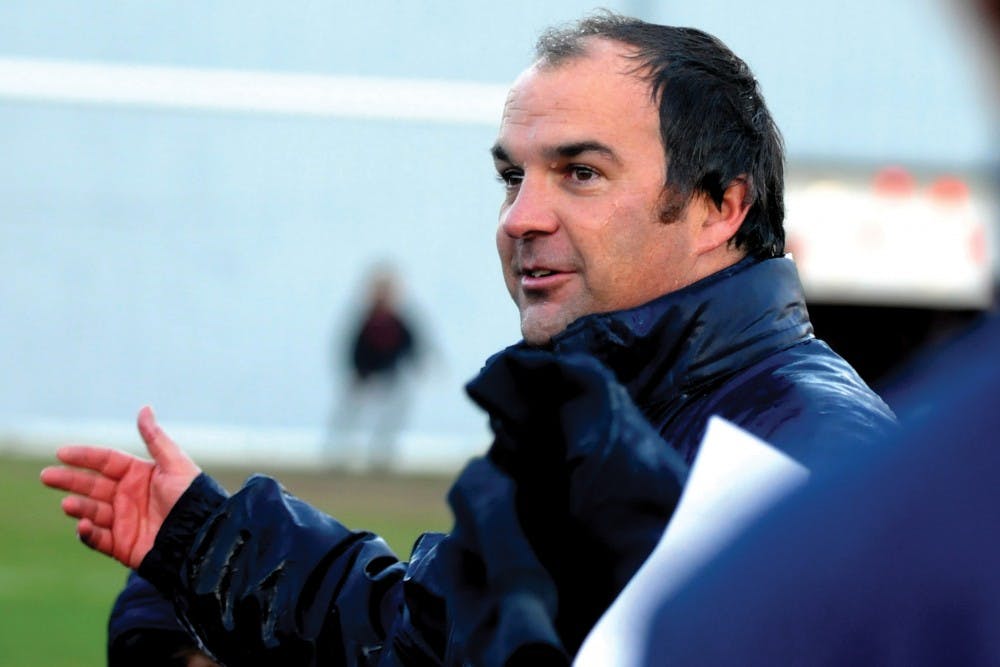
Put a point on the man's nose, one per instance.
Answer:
(532, 211)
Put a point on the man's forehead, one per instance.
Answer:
(603, 64)
(577, 99)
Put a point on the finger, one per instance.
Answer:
(80, 482)
(100, 514)
(109, 462)
(161, 447)
(200, 660)
(95, 537)
(167, 454)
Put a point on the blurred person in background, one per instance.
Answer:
(376, 394)
(641, 238)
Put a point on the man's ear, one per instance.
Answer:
(722, 222)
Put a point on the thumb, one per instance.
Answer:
(161, 446)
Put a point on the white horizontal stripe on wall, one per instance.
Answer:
(74, 82)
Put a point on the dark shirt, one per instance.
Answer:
(382, 342)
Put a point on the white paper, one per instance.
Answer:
(735, 477)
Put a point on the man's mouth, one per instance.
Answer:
(539, 279)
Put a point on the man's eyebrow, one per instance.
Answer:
(499, 154)
(562, 151)
(576, 148)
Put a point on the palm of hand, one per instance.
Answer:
(120, 500)
(143, 498)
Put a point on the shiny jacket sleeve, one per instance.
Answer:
(591, 487)
(143, 629)
(263, 578)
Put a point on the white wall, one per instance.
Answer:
(206, 261)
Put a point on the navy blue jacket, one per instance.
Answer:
(889, 559)
(592, 439)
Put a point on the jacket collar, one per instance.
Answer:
(716, 326)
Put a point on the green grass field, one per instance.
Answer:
(55, 594)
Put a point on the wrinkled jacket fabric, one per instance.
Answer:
(592, 439)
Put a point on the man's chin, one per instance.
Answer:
(539, 332)
(535, 340)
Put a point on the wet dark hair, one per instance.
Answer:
(714, 124)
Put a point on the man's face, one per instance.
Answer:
(580, 155)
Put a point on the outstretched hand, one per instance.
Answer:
(121, 500)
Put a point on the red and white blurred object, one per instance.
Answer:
(893, 240)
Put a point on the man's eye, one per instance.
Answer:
(582, 174)
(511, 178)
